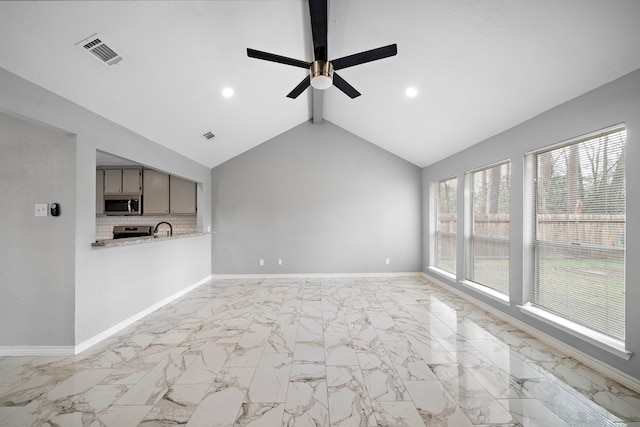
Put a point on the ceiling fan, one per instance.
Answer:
(322, 73)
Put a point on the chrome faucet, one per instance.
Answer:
(155, 230)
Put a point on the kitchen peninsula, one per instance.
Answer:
(109, 243)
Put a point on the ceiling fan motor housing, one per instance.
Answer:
(321, 73)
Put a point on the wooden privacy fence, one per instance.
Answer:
(585, 229)
(491, 232)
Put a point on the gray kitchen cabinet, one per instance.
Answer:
(122, 181)
(155, 193)
(131, 181)
(113, 181)
(182, 195)
(99, 191)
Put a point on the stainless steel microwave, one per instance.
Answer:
(122, 205)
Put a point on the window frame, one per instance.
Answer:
(530, 256)
(433, 226)
(469, 188)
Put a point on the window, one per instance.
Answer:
(579, 232)
(446, 223)
(487, 241)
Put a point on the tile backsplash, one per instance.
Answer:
(181, 223)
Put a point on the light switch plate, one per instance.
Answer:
(41, 209)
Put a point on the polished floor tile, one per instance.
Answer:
(314, 352)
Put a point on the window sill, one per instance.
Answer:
(612, 345)
(442, 273)
(491, 293)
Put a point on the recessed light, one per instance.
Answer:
(227, 92)
(411, 92)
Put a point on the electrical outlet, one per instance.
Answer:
(387, 261)
(279, 261)
(41, 209)
(261, 262)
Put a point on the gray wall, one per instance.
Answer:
(616, 102)
(37, 165)
(322, 200)
(103, 299)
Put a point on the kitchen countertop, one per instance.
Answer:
(109, 243)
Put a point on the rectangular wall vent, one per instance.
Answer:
(209, 135)
(98, 49)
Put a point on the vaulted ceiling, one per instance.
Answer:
(479, 67)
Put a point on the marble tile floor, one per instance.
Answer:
(314, 352)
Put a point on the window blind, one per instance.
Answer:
(579, 232)
(489, 240)
(446, 224)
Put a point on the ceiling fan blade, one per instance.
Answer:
(318, 12)
(300, 88)
(342, 84)
(366, 56)
(258, 54)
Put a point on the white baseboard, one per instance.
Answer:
(608, 370)
(313, 275)
(36, 350)
(118, 327)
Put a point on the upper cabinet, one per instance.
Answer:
(162, 194)
(131, 181)
(122, 181)
(113, 181)
(155, 190)
(182, 196)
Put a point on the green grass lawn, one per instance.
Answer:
(590, 286)
(493, 273)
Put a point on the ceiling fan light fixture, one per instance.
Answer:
(321, 73)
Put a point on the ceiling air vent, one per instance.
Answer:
(98, 49)
(209, 135)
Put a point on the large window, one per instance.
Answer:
(487, 242)
(579, 232)
(446, 224)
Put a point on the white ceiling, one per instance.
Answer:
(480, 67)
